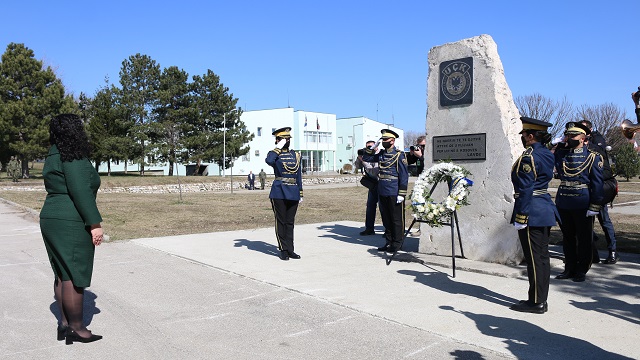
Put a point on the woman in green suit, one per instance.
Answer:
(70, 222)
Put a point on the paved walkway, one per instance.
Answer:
(227, 296)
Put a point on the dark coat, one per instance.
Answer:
(530, 176)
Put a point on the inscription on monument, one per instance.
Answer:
(456, 82)
(460, 147)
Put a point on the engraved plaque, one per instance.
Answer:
(460, 147)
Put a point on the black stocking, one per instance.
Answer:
(72, 302)
(57, 292)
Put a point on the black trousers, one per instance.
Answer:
(535, 244)
(392, 215)
(285, 214)
(577, 240)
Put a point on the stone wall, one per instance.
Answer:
(197, 187)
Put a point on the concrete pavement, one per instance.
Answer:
(228, 296)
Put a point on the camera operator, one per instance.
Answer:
(416, 153)
(370, 172)
(416, 156)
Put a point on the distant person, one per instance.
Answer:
(263, 178)
(370, 172)
(286, 190)
(578, 199)
(393, 179)
(14, 168)
(598, 143)
(252, 180)
(70, 222)
(416, 156)
(534, 212)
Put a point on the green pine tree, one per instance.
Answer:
(29, 96)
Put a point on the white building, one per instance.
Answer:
(353, 133)
(326, 144)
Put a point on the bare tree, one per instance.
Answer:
(606, 118)
(543, 108)
(411, 137)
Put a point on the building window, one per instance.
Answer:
(339, 140)
(257, 153)
(246, 156)
(259, 131)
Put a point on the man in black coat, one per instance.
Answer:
(598, 143)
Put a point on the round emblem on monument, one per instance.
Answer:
(456, 81)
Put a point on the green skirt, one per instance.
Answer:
(70, 250)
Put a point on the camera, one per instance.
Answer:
(360, 152)
(415, 147)
(637, 93)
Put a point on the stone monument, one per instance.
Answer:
(473, 121)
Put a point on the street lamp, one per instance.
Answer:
(224, 144)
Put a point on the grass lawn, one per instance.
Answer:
(130, 216)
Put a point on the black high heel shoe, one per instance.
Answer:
(62, 332)
(74, 336)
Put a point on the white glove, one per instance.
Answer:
(300, 201)
(519, 226)
(281, 143)
(556, 140)
(591, 213)
(375, 145)
(399, 199)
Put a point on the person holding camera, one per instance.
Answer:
(370, 181)
(597, 142)
(579, 199)
(286, 190)
(416, 153)
(416, 156)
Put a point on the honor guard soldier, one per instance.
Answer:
(534, 212)
(286, 190)
(393, 178)
(579, 199)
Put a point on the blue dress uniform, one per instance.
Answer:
(393, 179)
(530, 176)
(286, 191)
(579, 198)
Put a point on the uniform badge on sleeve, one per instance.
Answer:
(600, 164)
(404, 161)
(526, 168)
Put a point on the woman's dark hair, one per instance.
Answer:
(541, 136)
(66, 131)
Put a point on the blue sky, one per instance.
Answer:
(349, 58)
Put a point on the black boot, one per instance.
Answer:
(612, 258)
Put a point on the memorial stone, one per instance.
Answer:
(473, 121)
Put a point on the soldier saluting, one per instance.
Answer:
(393, 179)
(286, 190)
(579, 199)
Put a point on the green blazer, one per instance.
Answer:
(71, 189)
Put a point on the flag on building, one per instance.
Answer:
(317, 123)
(305, 121)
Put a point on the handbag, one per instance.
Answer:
(609, 190)
(368, 182)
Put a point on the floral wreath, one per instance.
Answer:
(434, 213)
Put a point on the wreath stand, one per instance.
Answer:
(453, 219)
